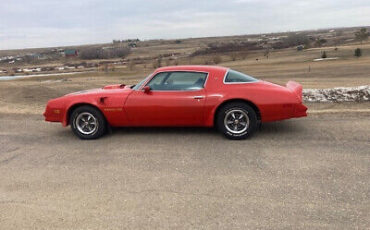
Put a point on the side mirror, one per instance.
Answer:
(146, 89)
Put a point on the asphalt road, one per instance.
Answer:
(311, 173)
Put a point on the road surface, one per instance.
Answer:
(310, 173)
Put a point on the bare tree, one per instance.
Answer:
(98, 53)
(157, 63)
(168, 62)
(295, 40)
(362, 35)
(358, 52)
(217, 59)
(121, 52)
(267, 53)
(131, 65)
(233, 56)
(320, 41)
(323, 54)
(89, 53)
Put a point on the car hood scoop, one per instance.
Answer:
(117, 86)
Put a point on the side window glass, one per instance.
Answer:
(180, 81)
(157, 81)
(235, 76)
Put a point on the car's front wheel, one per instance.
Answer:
(88, 122)
(237, 120)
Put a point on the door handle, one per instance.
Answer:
(198, 97)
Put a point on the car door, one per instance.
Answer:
(176, 98)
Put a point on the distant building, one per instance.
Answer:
(17, 70)
(60, 52)
(300, 48)
(71, 53)
(132, 45)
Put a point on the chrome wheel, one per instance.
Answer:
(86, 123)
(236, 121)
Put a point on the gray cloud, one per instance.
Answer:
(41, 23)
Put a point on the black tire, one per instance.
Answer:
(82, 113)
(243, 114)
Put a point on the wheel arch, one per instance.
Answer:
(251, 104)
(75, 106)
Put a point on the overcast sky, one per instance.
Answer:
(43, 23)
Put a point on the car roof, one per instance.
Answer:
(200, 68)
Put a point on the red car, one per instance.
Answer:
(180, 96)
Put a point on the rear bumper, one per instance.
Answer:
(300, 110)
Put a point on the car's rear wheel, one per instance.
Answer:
(88, 122)
(237, 120)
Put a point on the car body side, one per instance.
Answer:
(271, 102)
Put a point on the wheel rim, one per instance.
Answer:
(236, 121)
(86, 123)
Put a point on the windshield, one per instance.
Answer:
(137, 86)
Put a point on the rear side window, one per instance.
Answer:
(237, 77)
(178, 81)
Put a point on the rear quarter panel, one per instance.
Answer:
(273, 102)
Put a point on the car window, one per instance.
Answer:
(236, 77)
(157, 81)
(178, 81)
(137, 86)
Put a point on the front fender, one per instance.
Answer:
(111, 106)
(74, 104)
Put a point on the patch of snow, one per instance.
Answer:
(59, 80)
(325, 59)
(27, 70)
(339, 94)
(7, 78)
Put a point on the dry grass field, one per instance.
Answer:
(29, 95)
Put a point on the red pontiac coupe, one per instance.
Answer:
(180, 96)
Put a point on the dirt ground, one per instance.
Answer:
(309, 173)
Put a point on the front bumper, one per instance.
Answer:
(53, 114)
